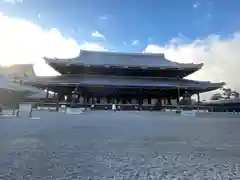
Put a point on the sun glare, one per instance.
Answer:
(22, 42)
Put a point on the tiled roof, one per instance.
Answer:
(123, 59)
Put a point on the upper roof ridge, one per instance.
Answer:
(121, 59)
(124, 53)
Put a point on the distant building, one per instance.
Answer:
(223, 105)
(12, 91)
(122, 78)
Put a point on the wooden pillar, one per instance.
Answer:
(169, 100)
(117, 100)
(178, 95)
(187, 98)
(84, 98)
(61, 97)
(149, 100)
(159, 101)
(198, 97)
(47, 93)
(140, 101)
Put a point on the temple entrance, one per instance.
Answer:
(125, 98)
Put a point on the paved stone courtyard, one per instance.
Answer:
(120, 145)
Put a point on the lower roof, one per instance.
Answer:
(120, 81)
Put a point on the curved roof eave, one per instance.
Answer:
(213, 86)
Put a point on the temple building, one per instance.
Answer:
(124, 78)
(12, 91)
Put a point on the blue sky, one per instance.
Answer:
(124, 21)
(186, 31)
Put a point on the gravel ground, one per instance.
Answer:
(119, 145)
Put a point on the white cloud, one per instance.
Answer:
(13, 1)
(92, 46)
(39, 16)
(135, 42)
(24, 42)
(196, 5)
(97, 34)
(220, 58)
(105, 17)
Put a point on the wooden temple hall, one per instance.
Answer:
(102, 78)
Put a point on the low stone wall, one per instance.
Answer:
(169, 113)
(8, 113)
(74, 110)
(202, 114)
(41, 108)
(188, 113)
(217, 114)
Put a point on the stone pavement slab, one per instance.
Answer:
(119, 145)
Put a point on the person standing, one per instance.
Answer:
(114, 107)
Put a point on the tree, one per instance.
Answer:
(227, 92)
(235, 94)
